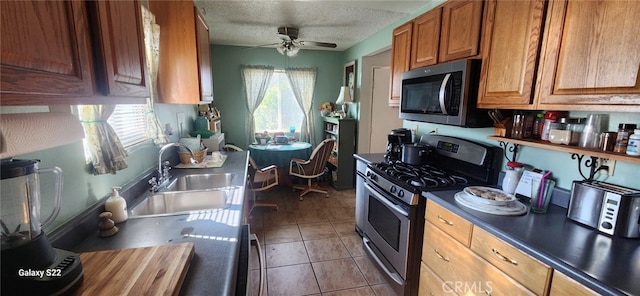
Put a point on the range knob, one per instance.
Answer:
(401, 193)
(393, 189)
(606, 225)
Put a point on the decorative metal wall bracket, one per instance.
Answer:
(591, 163)
(513, 148)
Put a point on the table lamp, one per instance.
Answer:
(344, 99)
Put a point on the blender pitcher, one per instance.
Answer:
(20, 224)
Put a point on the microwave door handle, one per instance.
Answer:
(443, 87)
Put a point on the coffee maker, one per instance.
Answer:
(30, 265)
(395, 140)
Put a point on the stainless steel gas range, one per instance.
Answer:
(392, 209)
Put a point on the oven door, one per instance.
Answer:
(387, 227)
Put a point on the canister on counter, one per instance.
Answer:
(622, 139)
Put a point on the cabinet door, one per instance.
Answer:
(591, 57)
(178, 74)
(460, 32)
(562, 285)
(400, 60)
(425, 39)
(431, 284)
(511, 44)
(46, 54)
(463, 269)
(525, 269)
(121, 64)
(204, 57)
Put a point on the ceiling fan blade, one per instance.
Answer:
(262, 45)
(319, 44)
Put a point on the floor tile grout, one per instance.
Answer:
(291, 216)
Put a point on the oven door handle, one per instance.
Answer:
(443, 88)
(393, 275)
(386, 202)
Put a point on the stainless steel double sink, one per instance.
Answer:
(188, 193)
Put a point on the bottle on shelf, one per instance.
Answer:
(633, 146)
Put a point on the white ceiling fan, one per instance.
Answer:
(290, 45)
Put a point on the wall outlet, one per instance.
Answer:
(610, 164)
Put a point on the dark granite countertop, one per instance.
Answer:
(215, 235)
(608, 265)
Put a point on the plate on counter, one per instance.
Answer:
(515, 208)
(489, 196)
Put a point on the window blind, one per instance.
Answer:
(130, 124)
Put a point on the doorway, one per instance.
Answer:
(377, 119)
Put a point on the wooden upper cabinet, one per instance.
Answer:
(46, 54)
(119, 44)
(460, 32)
(511, 42)
(590, 57)
(426, 39)
(400, 60)
(204, 57)
(179, 66)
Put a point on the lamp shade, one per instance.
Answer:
(344, 96)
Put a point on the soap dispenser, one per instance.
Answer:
(117, 206)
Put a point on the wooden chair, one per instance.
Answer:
(259, 179)
(312, 168)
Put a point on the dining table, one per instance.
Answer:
(279, 154)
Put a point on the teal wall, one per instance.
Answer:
(564, 169)
(82, 189)
(229, 93)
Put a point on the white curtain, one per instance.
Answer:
(107, 153)
(256, 80)
(303, 82)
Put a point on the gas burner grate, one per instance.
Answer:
(420, 176)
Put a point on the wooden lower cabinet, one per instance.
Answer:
(563, 285)
(464, 270)
(454, 225)
(431, 284)
(533, 274)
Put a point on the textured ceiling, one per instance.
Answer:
(346, 23)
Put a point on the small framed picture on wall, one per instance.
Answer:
(349, 78)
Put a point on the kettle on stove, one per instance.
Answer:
(395, 140)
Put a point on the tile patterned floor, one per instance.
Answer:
(311, 247)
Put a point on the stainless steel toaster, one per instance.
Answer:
(612, 209)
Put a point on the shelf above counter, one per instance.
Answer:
(570, 149)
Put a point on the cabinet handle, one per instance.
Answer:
(445, 221)
(503, 258)
(440, 256)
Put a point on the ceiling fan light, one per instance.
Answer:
(293, 51)
(281, 49)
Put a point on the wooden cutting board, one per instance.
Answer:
(156, 270)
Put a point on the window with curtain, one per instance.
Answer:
(279, 110)
(129, 123)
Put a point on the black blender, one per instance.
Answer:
(30, 265)
(395, 140)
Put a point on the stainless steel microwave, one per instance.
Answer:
(444, 93)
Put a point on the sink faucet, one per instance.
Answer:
(163, 168)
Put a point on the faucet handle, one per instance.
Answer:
(154, 184)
